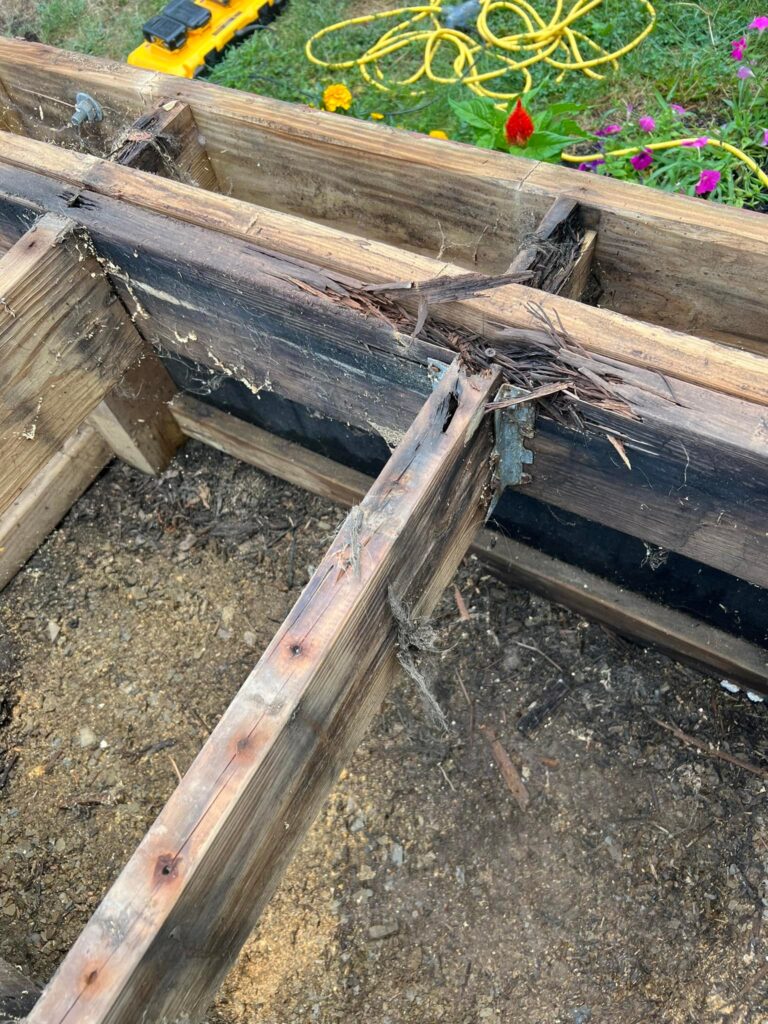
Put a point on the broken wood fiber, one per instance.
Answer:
(175, 919)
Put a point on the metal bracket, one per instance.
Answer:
(513, 426)
(436, 371)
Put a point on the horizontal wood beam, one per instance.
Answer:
(602, 332)
(212, 295)
(65, 341)
(622, 610)
(693, 266)
(174, 921)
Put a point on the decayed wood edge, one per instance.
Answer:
(578, 279)
(175, 919)
(711, 365)
(17, 994)
(166, 141)
(708, 364)
(625, 612)
(66, 341)
(654, 248)
(47, 499)
(558, 213)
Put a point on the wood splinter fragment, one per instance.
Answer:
(511, 775)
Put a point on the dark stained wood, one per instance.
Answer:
(17, 994)
(674, 260)
(520, 565)
(215, 298)
(65, 341)
(173, 922)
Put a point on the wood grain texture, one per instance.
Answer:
(176, 917)
(215, 297)
(583, 270)
(628, 613)
(694, 266)
(48, 497)
(166, 141)
(716, 366)
(65, 341)
(134, 418)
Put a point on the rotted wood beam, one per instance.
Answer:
(174, 921)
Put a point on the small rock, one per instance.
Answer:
(581, 1015)
(87, 737)
(397, 855)
(383, 931)
(249, 639)
(358, 824)
(227, 615)
(60, 845)
(53, 630)
(365, 874)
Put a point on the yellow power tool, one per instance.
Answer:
(189, 36)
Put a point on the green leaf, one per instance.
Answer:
(545, 145)
(477, 112)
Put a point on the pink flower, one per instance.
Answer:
(697, 143)
(643, 160)
(677, 109)
(738, 46)
(765, 136)
(745, 72)
(647, 124)
(609, 129)
(590, 165)
(760, 23)
(708, 182)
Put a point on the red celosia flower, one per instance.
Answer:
(519, 127)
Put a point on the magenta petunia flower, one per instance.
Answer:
(708, 182)
(590, 165)
(745, 72)
(765, 136)
(697, 143)
(760, 23)
(642, 160)
(677, 109)
(647, 124)
(738, 46)
(609, 129)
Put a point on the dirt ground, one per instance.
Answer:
(633, 888)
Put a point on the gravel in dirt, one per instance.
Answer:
(628, 885)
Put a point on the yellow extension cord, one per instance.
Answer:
(539, 41)
(557, 43)
(761, 176)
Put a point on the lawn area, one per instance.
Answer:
(691, 78)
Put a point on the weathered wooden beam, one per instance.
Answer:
(583, 270)
(211, 296)
(32, 175)
(166, 141)
(48, 497)
(65, 340)
(668, 259)
(622, 610)
(173, 922)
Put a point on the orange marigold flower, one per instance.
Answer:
(519, 127)
(438, 134)
(336, 96)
